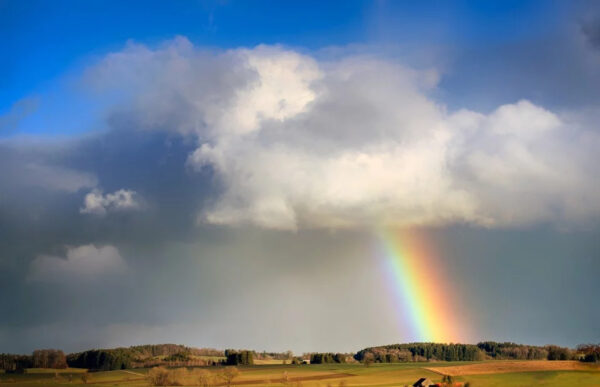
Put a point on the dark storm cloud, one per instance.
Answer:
(591, 30)
(150, 163)
(559, 71)
(39, 219)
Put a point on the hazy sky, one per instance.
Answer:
(217, 174)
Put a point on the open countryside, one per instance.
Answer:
(415, 364)
(496, 374)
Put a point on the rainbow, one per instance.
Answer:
(422, 297)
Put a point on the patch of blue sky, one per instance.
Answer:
(45, 43)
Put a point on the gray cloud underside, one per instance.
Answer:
(192, 283)
(81, 264)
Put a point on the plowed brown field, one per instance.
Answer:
(500, 366)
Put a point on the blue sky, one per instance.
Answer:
(207, 159)
(44, 41)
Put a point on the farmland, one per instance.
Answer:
(485, 373)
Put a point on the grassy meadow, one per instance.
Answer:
(478, 374)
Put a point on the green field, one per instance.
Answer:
(318, 375)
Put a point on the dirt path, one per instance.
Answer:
(115, 381)
(139, 377)
(290, 379)
(134, 373)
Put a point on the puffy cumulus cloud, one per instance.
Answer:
(86, 262)
(99, 204)
(202, 92)
(295, 142)
(523, 164)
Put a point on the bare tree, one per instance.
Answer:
(205, 378)
(158, 376)
(228, 374)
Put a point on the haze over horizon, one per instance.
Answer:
(228, 174)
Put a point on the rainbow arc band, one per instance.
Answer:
(419, 290)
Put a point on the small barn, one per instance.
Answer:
(423, 382)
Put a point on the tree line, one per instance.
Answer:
(463, 352)
(234, 357)
(15, 363)
(325, 358)
(179, 355)
(49, 358)
(287, 355)
(40, 358)
(141, 355)
(102, 359)
(145, 351)
(419, 352)
(590, 352)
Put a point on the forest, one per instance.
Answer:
(487, 350)
(179, 355)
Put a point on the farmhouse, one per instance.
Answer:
(423, 382)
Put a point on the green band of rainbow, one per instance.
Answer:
(419, 288)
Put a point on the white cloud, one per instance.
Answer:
(98, 204)
(86, 262)
(280, 91)
(296, 142)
